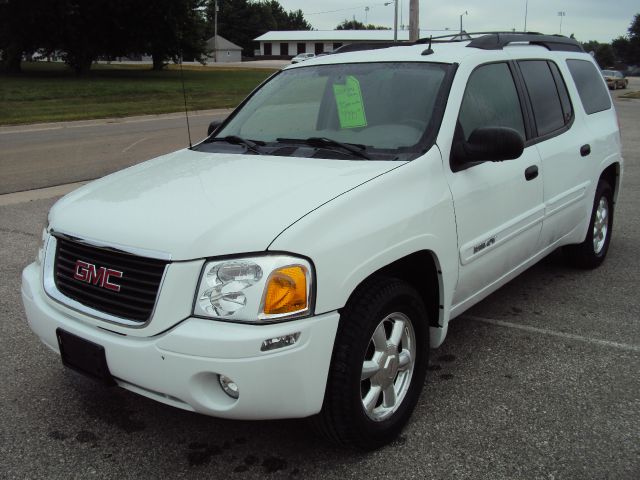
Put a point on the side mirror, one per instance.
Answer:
(213, 126)
(493, 144)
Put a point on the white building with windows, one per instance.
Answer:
(291, 43)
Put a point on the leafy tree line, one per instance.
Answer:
(356, 25)
(82, 31)
(240, 21)
(624, 49)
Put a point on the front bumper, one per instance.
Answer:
(180, 367)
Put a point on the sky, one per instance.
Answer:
(601, 20)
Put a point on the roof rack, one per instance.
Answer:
(499, 40)
(481, 40)
(357, 47)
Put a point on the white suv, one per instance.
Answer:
(302, 260)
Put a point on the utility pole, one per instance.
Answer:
(526, 10)
(215, 32)
(414, 21)
(395, 21)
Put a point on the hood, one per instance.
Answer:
(193, 204)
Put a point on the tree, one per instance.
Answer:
(240, 21)
(622, 49)
(297, 21)
(627, 48)
(605, 56)
(170, 30)
(85, 30)
(356, 25)
(284, 20)
(633, 55)
(634, 28)
(23, 28)
(603, 53)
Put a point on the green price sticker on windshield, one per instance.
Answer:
(349, 103)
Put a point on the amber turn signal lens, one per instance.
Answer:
(286, 291)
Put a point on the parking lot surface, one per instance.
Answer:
(540, 380)
(46, 154)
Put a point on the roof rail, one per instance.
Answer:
(449, 37)
(357, 47)
(499, 40)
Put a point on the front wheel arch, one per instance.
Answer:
(422, 271)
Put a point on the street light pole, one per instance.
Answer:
(526, 10)
(395, 19)
(461, 15)
(561, 14)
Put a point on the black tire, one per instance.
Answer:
(586, 255)
(343, 419)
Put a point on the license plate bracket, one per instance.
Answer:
(84, 356)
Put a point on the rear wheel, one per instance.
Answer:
(378, 367)
(592, 252)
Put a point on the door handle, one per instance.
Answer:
(585, 150)
(531, 172)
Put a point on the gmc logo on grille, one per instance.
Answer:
(89, 273)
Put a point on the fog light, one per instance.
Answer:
(229, 386)
(279, 342)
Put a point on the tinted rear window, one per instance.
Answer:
(592, 90)
(567, 107)
(544, 96)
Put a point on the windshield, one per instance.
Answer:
(608, 73)
(386, 109)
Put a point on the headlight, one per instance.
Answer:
(255, 289)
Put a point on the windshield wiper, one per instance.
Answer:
(324, 142)
(235, 140)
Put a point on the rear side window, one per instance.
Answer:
(567, 108)
(593, 93)
(543, 94)
(491, 100)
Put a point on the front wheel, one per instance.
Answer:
(378, 367)
(592, 252)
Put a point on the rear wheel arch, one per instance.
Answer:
(611, 175)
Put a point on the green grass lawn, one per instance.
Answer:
(49, 92)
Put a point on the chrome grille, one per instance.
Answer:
(139, 284)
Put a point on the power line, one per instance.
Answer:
(346, 9)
